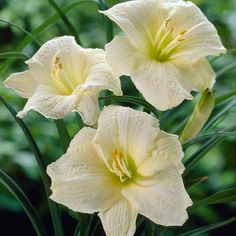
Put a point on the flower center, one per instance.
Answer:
(165, 43)
(120, 167)
(64, 81)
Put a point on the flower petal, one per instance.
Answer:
(132, 132)
(120, 55)
(88, 107)
(205, 79)
(200, 38)
(40, 64)
(157, 190)
(138, 19)
(81, 181)
(99, 74)
(47, 102)
(22, 83)
(120, 219)
(164, 200)
(160, 83)
(84, 136)
(167, 152)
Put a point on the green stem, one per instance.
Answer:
(42, 167)
(11, 185)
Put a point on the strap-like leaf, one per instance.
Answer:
(23, 30)
(205, 137)
(42, 167)
(71, 29)
(15, 55)
(11, 185)
(204, 229)
(132, 100)
(39, 30)
(63, 134)
(193, 160)
(228, 195)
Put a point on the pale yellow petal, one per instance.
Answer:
(40, 64)
(47, 102)
(84, 136)
(120, 219)
(205, 75)
(99, 75)
(22, 83)
(167, 152)
(120, 55)
(126, 130)
(138, 19)
(81, 181)
(200, 38)
(161, 199)
(160, 83)
(88, 107)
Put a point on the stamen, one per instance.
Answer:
(118, 166)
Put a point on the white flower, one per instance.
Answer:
(64, 77)
(164, 49)
(125, 167)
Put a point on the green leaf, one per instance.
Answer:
(133, 100)
(11, 185)
(225, 196)
(42, 167)
(71, 29)
(63, 134)
(193, 160)
(225, 70)
(226, 96)
(194, 182)
(39, 30)
(107, 22)
(16, 55)
(23, 30)
(204, 229)
(218, 113)
(229, 51)
(205, 137)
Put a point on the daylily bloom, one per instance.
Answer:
(64, 77)
(124, 167)
(164, 49)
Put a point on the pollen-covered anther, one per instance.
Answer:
(119, 167)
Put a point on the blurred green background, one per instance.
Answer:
(16, 158)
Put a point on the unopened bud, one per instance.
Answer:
(200, 115)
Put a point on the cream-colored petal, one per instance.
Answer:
(167, 152)
(120, 219)
(200, 38)
(22, 83)
(47, 102)
(99, 75)
(161, 198)
(40, 64)
(205, 75)
(160, 83)
(88, 107)
(81, 181)
(84, 136)
(120, 55)
(139, 20)
(126, 130)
